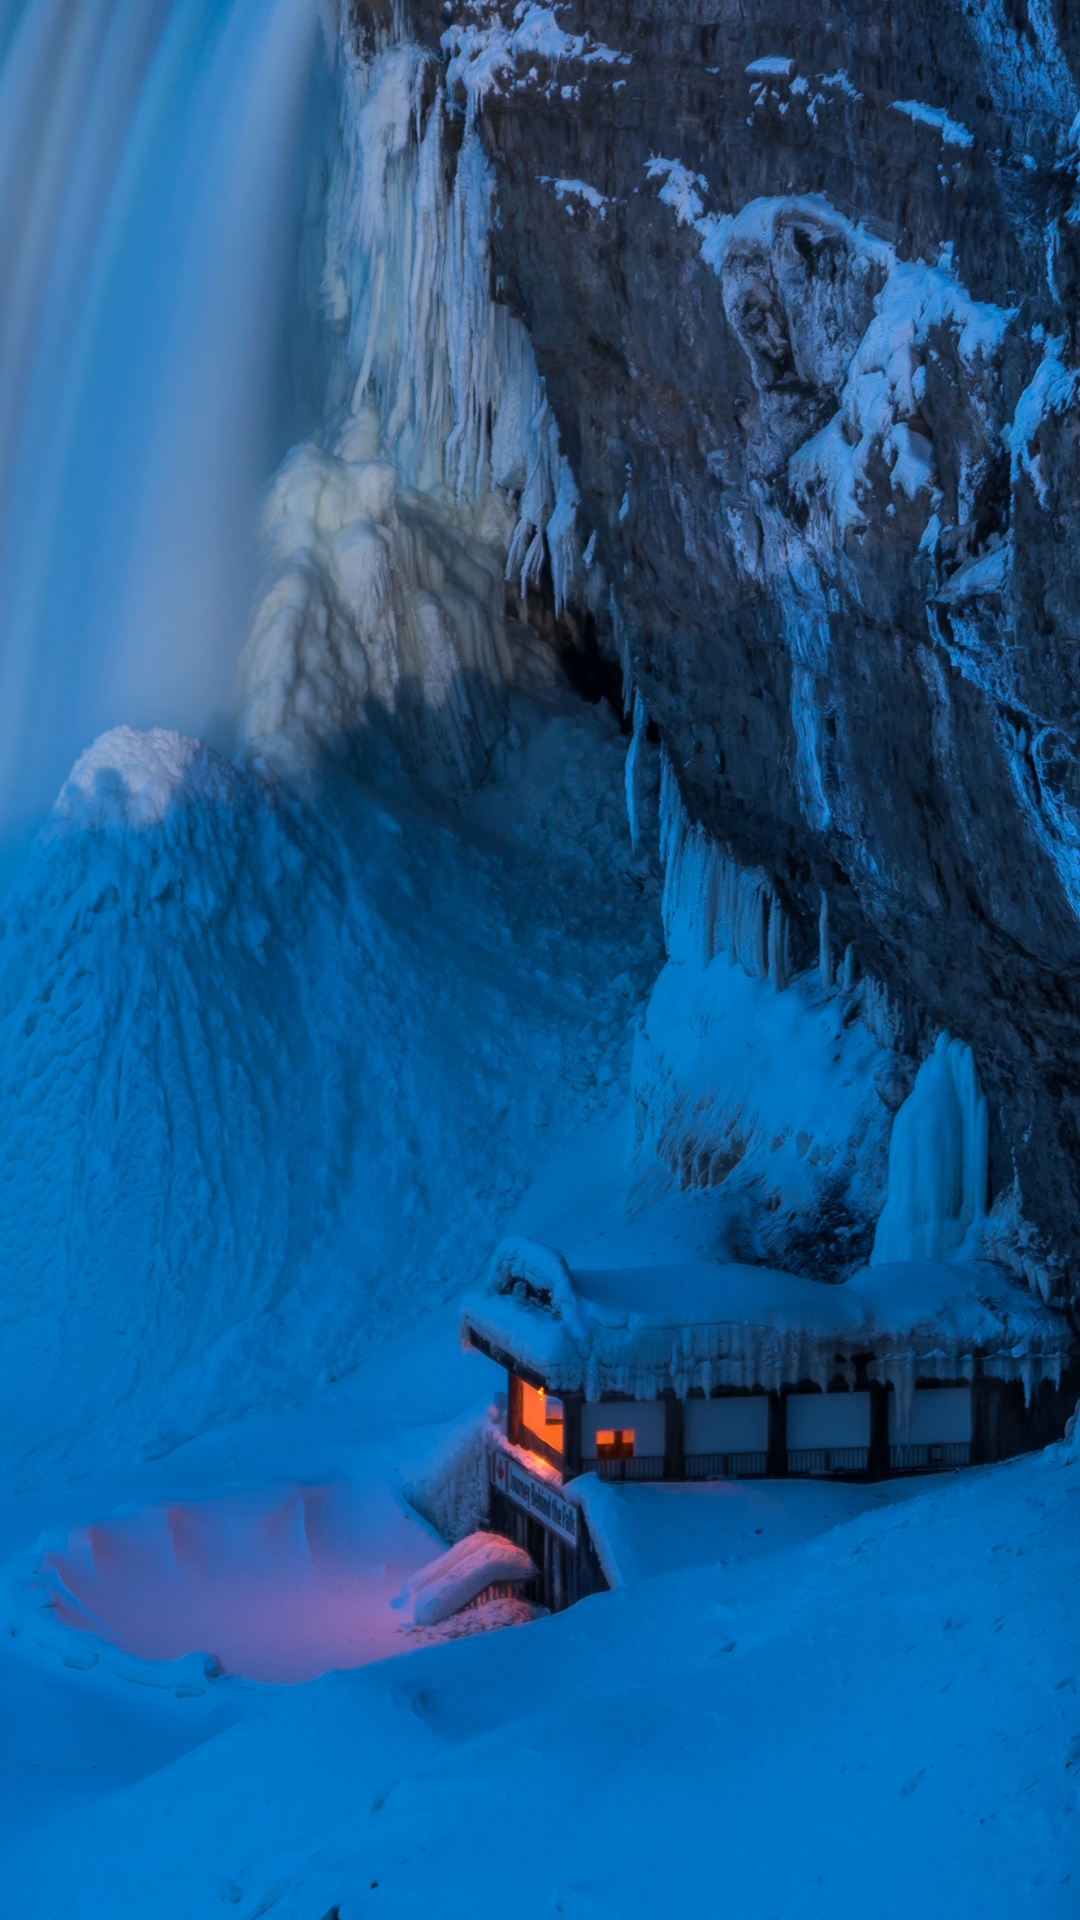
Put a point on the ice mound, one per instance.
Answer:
(131, 780)
(238, 1032)
(167, 1077)
(276, 1586)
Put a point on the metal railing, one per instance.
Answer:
(544, 1448)
(726, 1466)
(639, 1466)
(815, 1460)
(930, 1457)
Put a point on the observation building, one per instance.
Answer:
(699, 1370)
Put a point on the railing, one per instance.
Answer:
(504, 1590)
(828, 1460)
(726, 1466)
(933, 1457)
(639, 1466)
(531, 1440)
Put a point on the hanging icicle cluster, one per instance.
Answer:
(452, 372)
(387, 544)
(711, 905)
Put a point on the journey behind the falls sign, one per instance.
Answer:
(537, 1497)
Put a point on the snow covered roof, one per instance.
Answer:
(700, 1323)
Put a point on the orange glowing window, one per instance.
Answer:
(615, 1443)
(541, 1416)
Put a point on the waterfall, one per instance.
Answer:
(152, 171)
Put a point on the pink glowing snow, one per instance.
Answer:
(279, 1586)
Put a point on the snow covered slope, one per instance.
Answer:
(271, 1072)
(892, 1703)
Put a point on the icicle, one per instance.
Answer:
(633, 758)
(622, 648)
(878, 1014)
(847, 977)
(779, 948)
(562, 536)
(825, 959)
(751, 935)
(673, 816)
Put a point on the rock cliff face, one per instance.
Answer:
(803, 286)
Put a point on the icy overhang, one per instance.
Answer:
(702, 1324)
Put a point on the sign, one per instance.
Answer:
(537, 1497)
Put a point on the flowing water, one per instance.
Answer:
(154, 160)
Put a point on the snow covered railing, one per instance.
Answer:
(458, 1578)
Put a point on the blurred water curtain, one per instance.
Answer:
(156, 160)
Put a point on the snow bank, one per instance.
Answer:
(449, 1583)
(279, 1585)
(644, 1530)
(129, 781)
(898, 1689)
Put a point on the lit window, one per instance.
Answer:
(615, 1443)
(541, 1418)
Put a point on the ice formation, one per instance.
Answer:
(938, 1163)
(388, 548)
(953, 133)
